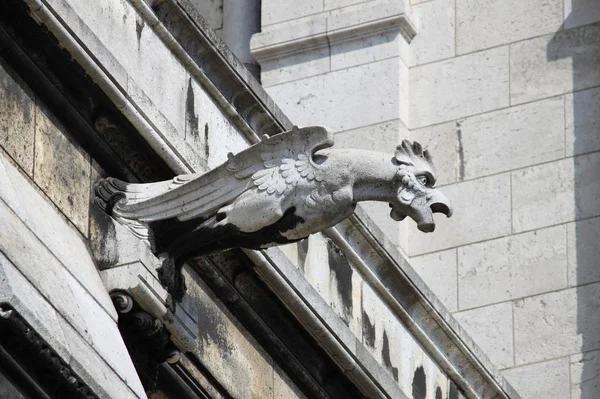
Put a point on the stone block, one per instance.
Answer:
(391, 344)
(284, 387)
(491, 328)
(61, 238)
(209, 133)
(555, 64)
(459, 87)
(344, 99)
(582, 121)
(481, 212)
(512, 267)
(557, 324)
(211, 10)
(483, 24)
(585, 375)
(62, 170)
(296, 66)
(365, 49)
(556, 192)
(228, 351)
(94, 371)
(513, 138)
(383, 137)
(442, 142)
(438, 270)
(581, 12)
(583, 251)
(291, 31)
(17, 119)
(434, 21)
(362, 13)
(274, 11)
(333, 4)
(548, 380)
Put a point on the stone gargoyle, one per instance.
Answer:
(278, 191)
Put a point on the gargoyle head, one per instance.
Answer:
(414, 180)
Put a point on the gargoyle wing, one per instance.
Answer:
(276, 164)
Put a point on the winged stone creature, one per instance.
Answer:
(278, 191)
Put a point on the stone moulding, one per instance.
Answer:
(268, 45)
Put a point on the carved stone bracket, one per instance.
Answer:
(146, 337)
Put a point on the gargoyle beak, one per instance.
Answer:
(438, 203)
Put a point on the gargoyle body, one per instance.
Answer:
(278, 191)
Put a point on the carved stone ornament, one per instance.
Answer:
(278, 191)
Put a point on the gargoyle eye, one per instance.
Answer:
(423, 180)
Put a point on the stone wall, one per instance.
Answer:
(505, 94)
(48, 275)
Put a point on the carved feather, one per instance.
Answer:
(274, 165)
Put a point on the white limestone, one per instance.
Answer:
(512, 138)
(471, 221)
(363, 50)
(585, 373)
(581, 12)
(436, 32)
(442, 141)
(548, 380)
(557, 324)
(274, 11)
(582, 122)
(438, 270)
(513, 267)
(555, 64)
(483, 24)
(491, 328)
(331, 97)
(296, 66)
(583, 251)
(459, 87)
(556, 192)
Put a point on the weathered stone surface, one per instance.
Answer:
(438, 270)
(284, 387)
(17, 119)
(512, 267)
(442, 141)
(229, 352)
(482, 24)
(296, 66)
(307, 28)
(62, 170)
(556, 192)
(211, 10)
(209, 132)
(395, 349)
(436, 34)
(541, 380)
(471, 221)
(583, 251)
(459, 87)
(513, 138)
(382, 137)
(333, 4)
(557, 324)
(555, 64)
(491, 328)
(582, 121)
(363, 50)
(585, 375)
(581, 12)
(95, 371)
(282, 10)
(51, 227)
(322, 98)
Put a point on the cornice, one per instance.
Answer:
(324, 30)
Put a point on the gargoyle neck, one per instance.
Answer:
(370, 172)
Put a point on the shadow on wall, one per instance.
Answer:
(577, 42)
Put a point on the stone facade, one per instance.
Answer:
(505, 95)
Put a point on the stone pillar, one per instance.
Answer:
(241, 19)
